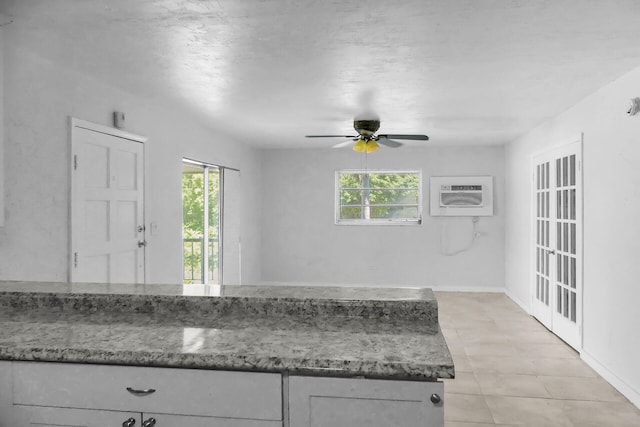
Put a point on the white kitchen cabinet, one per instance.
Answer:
(47, 394)
(77, 394)
(330, 402)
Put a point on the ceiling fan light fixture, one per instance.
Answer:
(360, 146)
(372, 146)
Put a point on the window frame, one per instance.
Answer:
(377, 221)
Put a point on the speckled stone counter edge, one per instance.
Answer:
(335, 368)
(422, 310)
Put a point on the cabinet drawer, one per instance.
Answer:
(227, 394)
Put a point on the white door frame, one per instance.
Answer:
(75, 123)
(576, 144)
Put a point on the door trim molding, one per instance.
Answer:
(73, 124)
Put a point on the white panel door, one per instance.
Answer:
(557, 230)
(107, 218)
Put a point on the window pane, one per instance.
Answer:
(399, 212)
(350, 212)
(350, 197)
(394, 197)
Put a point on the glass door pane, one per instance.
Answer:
(542, 233)
(214, 225)
(193, 222)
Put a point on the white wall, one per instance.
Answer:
(1, 125)
(39, 98)
(611, 156)
(301, 243)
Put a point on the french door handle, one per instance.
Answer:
(142, 243)
(550, 251)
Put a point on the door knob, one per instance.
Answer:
(550, 251)
(149, 423)
(142, 243)
(129, 423)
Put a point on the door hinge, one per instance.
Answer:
(75, 162)
(75, 260)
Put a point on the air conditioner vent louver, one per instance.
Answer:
(461, 199)
(462, 196)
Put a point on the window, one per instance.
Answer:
(378, 197)
(201, 217)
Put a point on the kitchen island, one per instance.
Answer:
(328, 354)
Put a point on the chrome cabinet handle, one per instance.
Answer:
(129, 423)
(149, 423)
(144, 392)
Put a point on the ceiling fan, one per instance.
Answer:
(367, 140)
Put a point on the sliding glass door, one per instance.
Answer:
(201, 222)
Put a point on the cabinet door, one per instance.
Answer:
(330, 402)
(67, 417)
(163, 420)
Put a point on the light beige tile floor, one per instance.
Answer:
(511, 371)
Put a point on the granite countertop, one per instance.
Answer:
(378, 333)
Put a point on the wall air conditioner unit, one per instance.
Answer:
(461, 196)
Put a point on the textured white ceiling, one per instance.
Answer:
(272, 71)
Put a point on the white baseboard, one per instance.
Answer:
(627, 390)
(437, 288)
(496, 290)
(525, 307)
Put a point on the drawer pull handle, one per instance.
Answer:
(149, 423)
(145, 392)
(129, 423)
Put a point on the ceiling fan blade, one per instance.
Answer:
(388, 142)
(344, 144)
(330, 136)
(414, 137)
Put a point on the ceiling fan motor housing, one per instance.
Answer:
(366, 128)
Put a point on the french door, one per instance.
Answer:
(557, 240)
